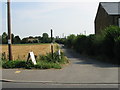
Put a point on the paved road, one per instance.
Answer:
(52, 85)
(80, 72)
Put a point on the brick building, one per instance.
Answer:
(108, 14)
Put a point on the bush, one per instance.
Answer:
(80, 43)
(13, 64)
(90, 45)
(70, 41)
(44, 62)
(106, 45)
(29, 65)
(117, 49)
(110, 35)
(47, 65)
(55, 59)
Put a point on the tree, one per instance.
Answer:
(17, 40)
(70, 41)
(39, 39)
(24, 40)
(0, 39)
(45, 38)
(4, 38)
(12, 35)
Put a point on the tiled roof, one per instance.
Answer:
(112, 8)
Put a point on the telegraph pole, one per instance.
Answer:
(52, 43)
(9, 30)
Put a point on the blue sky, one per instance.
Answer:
(35, 18)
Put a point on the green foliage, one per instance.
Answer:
(44, 62)
(13, 64)
(30, 65)
(45, 38)
(55, 59)
(117, 49)
(70, 41)
(80, 42)
(110, 35)
(0, 39)
(60, 40)
(106, 45)
(47, 65)
(4, 38)
(17, 40)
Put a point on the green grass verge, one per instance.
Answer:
(43, 62)
(29, 65)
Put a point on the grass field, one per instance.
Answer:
(20, 51)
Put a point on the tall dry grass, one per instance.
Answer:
(20, 52)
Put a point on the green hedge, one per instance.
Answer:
(106, 45)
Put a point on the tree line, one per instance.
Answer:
(17, 40)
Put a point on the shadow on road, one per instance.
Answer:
(72, 55)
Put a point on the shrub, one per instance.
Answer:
(70, 41)
(106, 45)
(90, 47)
(54, 59)
(110, 35)
(29, 65)
(80, 43)
(44, 62)
(117, 49)
(47, 65)
(13, 64)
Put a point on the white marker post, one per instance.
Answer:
(32, 57)
(59, 54)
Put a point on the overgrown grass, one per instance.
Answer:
(55, 59)
(43, 62)
(29, 65)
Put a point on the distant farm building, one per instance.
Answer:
(108, 14)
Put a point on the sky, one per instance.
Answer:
(64, 17)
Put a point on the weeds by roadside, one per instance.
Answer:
(43, 62)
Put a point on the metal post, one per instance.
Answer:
(9, 30)
(52, 43)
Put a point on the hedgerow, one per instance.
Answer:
(105, 45)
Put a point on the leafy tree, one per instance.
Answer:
(0, 39)
(31, 37)
(4, 38)
(12, 36)
(39, 39)
(80, 43)
(17, 40)
(24, 40)
(70, 40)
(45, 38)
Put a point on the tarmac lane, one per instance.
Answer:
(81, 72)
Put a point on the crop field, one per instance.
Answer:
(20, 52)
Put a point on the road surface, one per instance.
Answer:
(81, 72)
